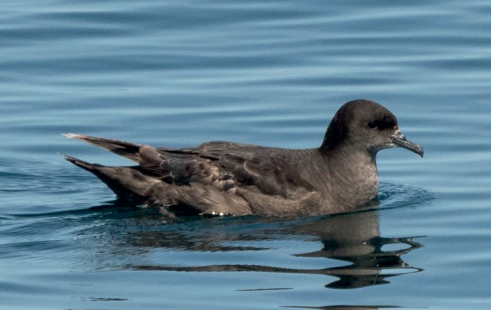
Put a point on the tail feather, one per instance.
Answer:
(125, 149)
(126, 182)
(82, 164)
(140, 186)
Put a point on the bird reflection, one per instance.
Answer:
(355, 238)
(345, 307)
(352, 238)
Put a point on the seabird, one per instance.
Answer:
(224, 178)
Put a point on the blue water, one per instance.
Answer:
(177, 73)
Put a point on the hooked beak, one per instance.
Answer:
(399, 140)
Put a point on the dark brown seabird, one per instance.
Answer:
(224, 178)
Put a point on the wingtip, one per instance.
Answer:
(72, 135)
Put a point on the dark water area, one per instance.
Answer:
(178, 73)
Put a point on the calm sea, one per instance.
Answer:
(178, 73)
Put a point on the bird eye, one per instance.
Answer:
(372, 124)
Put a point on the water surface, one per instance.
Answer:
(177, 73)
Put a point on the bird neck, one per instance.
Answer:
(354, 171)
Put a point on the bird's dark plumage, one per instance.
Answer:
(223, 178)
